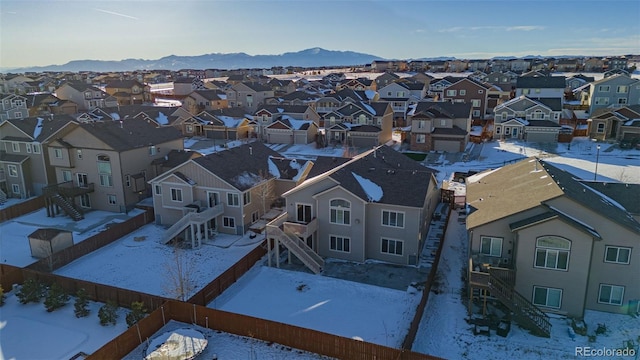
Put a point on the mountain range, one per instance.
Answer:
(314, 57)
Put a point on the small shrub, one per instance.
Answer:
(108, 313)
(81, 305)
(136, 314)
(56, 298)
(30, 291)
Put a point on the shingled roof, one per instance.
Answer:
(384, 168)
(130, 134)
(40, 128)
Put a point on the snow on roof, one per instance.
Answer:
(38, 128)
(162, 119)
(229, 121)
(222, 96)
(280, 110)
(247, 179)
(631, 122)
(295, 123)
(476, 131)
(273, 169)
(522, 121)
(301, 170)
(373, 190)
(370, 94)
(368, 108)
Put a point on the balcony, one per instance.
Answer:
(68, 189)
(301, 229)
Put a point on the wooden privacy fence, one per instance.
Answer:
(417, 317)
(112, 233)
(10, 275)
(21, 208)
(227, 278)
(97, 292)
(269, 331)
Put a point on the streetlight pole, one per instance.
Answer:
(595, 174)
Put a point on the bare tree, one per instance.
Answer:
(265, 190)
(179, 274)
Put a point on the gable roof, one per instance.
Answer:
(130, 134)
(627, 195)
(381, 168)
(441, 109)
(42, 127)
(541, 82)
(531, 183)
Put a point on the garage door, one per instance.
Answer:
(278, 138)
(541, 137)
(446, 145)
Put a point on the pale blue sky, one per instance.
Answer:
(46, 32)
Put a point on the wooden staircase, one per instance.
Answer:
(297, 247)
(191, 218)
(525, 313)
(67, 206)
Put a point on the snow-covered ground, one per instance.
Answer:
(444, 332)
(336, 306)
(354, 310)
(14, 244)
(140, 262)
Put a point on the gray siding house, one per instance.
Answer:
(551, 243)
(375, 206)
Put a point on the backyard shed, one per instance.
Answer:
(46, 241)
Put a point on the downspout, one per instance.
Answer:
(586, 290)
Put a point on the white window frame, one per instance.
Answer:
(452, 92)
(15, 147)
(12, 170)
(158, 189)
(28, 148)
(604, 88)
(392, 218)
(112, 199)
(127, 180)
(476, 103)
(391, 246)
(551, 254)
(476, 113)
(57, 153)
(342, 214)
(600, 128)
(622, 89)
(601, 100)
(85, 201)
(617, 250)
(176, 195)
(246, 198)
(229, 222)
(233, 199)
(422, 124)
(337, 243)
(463, 92)
(79, 154)
(36, 148)
(15, 188)
(421, 138)
(546, 303)
(153, 150)
(491, 240)
(611, 293)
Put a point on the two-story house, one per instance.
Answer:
(357, 211)
(225, 191)
(248, 95)
(440, 126)
(541, 87)
(24, 166)
(471, 92)
(267, 114)
(543, 242)
(87, 97)
(13, 107)
(615, 91)
(204, 100)
(46, 103)
(359, 124)
(129, 92)
(528, 119)
(108, 163)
